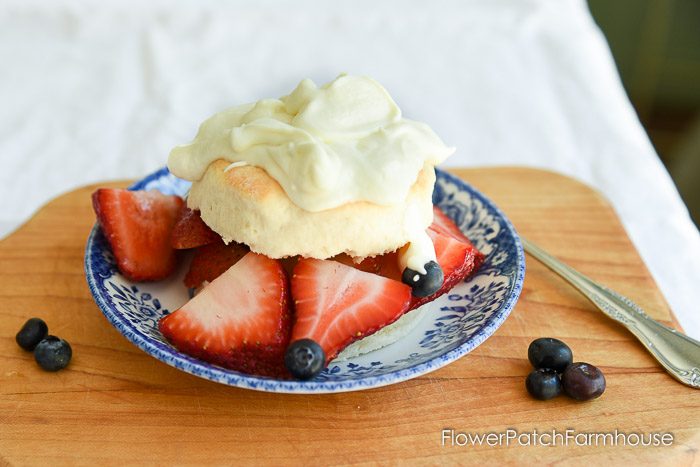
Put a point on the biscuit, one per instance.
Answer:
(244, 204)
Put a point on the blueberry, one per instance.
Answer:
(547, 352)
(304, 359)
(33, 331)
(543, 384)
(582, 381)
(53, 353)
(423, 285)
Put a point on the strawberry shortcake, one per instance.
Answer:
(312, 226)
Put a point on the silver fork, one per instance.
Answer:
(677, 353)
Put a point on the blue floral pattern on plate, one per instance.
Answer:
(451, 327)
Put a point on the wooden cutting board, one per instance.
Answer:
(116, 405)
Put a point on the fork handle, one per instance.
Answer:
(677, 353)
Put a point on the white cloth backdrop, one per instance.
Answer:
(95, 90)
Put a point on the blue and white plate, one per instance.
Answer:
(453, 326)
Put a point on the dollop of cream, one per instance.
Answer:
(419, 252)
(326, 146)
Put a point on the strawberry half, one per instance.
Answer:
(210, 261)
(443, 224)
(190, 231)
(138, 225)
(337, 304)
(240, 321)
(386, 265)
(457, 258)
(455, 254)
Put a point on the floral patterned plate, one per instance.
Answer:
(454, 325)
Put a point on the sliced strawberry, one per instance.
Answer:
(386, 265)
(190, 231)
(289, 263)
(337, 304)
(442, 223)
(210, 261)
(458, 260)
(138, 225)
(240, 321)
(457, 257)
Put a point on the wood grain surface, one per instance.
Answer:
(115, 405)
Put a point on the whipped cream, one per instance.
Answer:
(420, 251)
(343, 142)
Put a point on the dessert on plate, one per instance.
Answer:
(311, 226)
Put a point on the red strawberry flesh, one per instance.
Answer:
(443, 224)
(336, 304)
(138, 226)
(210, 261)
(239, 321)
(386, 265)
(190, 231)
(456, 255)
